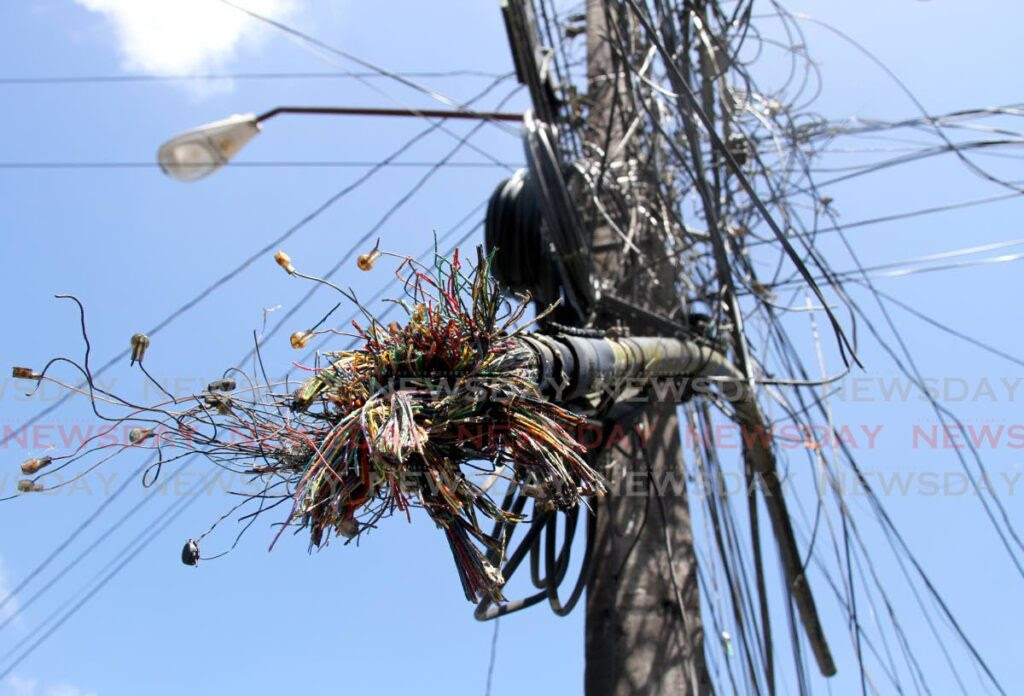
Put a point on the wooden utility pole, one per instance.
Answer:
(643, 626)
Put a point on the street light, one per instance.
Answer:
(201, 151)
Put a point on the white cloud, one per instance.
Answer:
(19, 686)
(22, 686)
(183, 36)
(66, 690)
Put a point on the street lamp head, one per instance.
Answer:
(203, 150)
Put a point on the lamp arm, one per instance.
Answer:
(363, 111)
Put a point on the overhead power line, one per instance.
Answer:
(22, 606)
(394, 281)
(251, 259)
(313, 42)
(72, 536)
(205, 77)
(128, 553)
(189, 305)
(327, 164)
(161, 522)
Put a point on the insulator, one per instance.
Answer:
(26, 486)
(138, 435)
(25, 373)
(140, 342)
(284, 261)
(225, 385)
(300, 339)
(31, 466)
(190, 553)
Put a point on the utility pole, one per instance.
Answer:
(643, 622)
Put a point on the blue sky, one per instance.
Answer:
(389, 615)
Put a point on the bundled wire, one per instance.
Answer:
(407, 412)
(407, 420)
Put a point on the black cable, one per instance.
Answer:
(100, 79)
(313, 41)
(494, 657)
(337, 164)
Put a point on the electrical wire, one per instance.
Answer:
(96, 372)
(259, 254)
(111, 570)
(336, 164)
(289, 76)
(711, 208)
(316, 43)
(151, 496)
